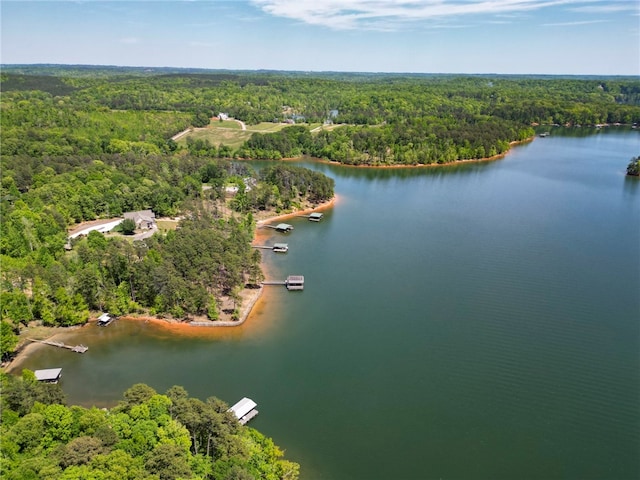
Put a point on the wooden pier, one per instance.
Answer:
(73, 348)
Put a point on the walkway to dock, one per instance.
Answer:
(73, 348)
(293, 282)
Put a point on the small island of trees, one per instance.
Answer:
(633, 168)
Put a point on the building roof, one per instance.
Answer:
(243, 407)
(280, 245)
(102, 228)
(48, 374)
(315, 215)
(295, 279)
(141, 216)
(284, 226)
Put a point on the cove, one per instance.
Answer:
(472, 321)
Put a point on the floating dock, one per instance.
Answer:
(244, 410)
(73, 348)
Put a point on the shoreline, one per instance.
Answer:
(250, 300)
(26, 347)
(200, 327)
(432, 165)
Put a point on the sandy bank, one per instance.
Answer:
(26, 347)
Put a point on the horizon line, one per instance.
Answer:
(275, 70)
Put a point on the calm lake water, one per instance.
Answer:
(470, 322)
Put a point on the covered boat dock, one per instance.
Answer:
(281, 227)
(244, 410)
(48, 375)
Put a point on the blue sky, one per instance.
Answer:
(432, 36)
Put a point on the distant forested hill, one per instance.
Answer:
(392, 118)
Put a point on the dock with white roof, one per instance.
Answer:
(48, 375)
(244, 410)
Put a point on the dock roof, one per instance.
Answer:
(315, 215)
(284, 226)
(243, 407)
(48, 374)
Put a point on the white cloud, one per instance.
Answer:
(610, 7)
(385, 14)
(573, 24)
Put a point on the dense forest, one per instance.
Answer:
(182, 272)
(85, 143)
(388, 118)
(146, 436)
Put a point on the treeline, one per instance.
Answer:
(191, 271)
(423, 141)
(146, 436)
(113, 111)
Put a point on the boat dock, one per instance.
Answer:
(293, 282)
(48, 375)
(314, 217)
(276, 247)
(281, 227)
(73, 348)
(244, 410)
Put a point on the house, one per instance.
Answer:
(144, 219)
(223, 116)
(48, 375)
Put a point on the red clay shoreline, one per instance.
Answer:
(256, 295)
(251, 297)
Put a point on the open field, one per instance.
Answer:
(229, 132)
(166, 224)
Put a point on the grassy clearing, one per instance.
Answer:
(167, 224)
(225, 124)
(229, 133)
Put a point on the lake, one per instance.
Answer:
(476, 321)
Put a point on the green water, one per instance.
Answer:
(469, 322)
